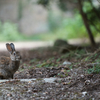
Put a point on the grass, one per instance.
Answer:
(95, 69)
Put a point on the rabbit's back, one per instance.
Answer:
(4, 66)
(4, 61)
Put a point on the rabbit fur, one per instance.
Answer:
(9, 65)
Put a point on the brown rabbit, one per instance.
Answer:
(9, 65)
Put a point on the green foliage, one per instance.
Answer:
(74, 27)
(94, 69)
(70, 28)
(54, 20)
(87, 6)
(44, 64)
(92, 15)
(45, 3)
(9, 32)
(33, 60)
(62, 5)
(67, 29)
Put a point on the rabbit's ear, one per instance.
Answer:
(8, 46)
(12, 46)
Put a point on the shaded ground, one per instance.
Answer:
(78, 70)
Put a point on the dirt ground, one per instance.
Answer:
(76, 79)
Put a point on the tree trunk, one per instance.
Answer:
(84, 17)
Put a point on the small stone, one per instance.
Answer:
(84, 93)
(66, 63)
(9, 95)
(82, 76)
(87, 82)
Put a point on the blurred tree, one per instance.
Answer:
(89, 16)
(85, 19)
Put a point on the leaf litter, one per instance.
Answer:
(76, 71)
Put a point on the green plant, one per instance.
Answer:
(58, 59)
(33, 60)
(69, 28)
(44, 64)
(9, 32)
(94, 69)
(74, 26)
(54, 20)
(60, 75)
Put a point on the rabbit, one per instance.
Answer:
(9, 65)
